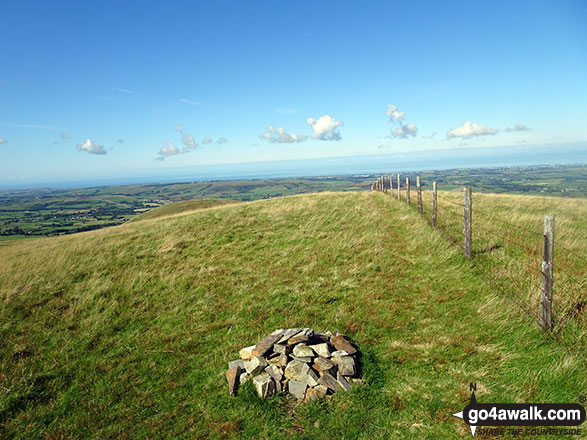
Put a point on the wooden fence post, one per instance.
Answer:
(468, 217)
(399, 188)
(434, 199)
(390, 186)
(547, 258)
(408, 190)
(419, 185)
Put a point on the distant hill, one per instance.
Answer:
(181, 208)
(125, 332)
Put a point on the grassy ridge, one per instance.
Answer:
(125, 332)
(181, 208)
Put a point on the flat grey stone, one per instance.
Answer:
(343, 382)
(255, 365)
(301, 372)
(302, 350)
(264, 385)
(274, 372)
(339, 353)
(288, 333)
(282, 348)
(321, 364)
(307, 360)
(298, 389)
(345, 364)
(238, 363)
(303, 336)
(321, 349)
(328, 381)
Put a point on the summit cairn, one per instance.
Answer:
(297, 361)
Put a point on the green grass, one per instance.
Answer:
(181, 208)
(125, 332)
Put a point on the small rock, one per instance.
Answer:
(312, 394)
(302, 350)
(339, 353)
(281, 348)
(301, 372)
(342, 344)
(246, 353)
(321, 349)
(255, 365)
(264, 385)
(239, 363)
(307, 360)
(321, 390)
(266, 343)
(321, 364)
(280, 360)
(232, 376)
(329, 381)
(302, 336)
(288, 334)
(346, 365)
(274, 372)
(343, 382)
(244, 377)
(298, 389)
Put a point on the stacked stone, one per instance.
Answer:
(298, 361)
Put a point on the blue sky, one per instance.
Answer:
(106, 89)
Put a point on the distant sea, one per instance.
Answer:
(423, 160)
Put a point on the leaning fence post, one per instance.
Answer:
(434, 198)
(399, 188)
(408, 190)
(390, 186)
(419, 185)
(547, 257)
(468, 214)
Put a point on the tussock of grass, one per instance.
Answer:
(125, 332)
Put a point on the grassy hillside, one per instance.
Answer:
(181, 208)
(125, 332)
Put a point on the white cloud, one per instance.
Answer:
(190, 102)
(189, 141)
(469, 129)
(168, 149)
(394, 114)
(207, 140)
(280, 136)
(3, 141)
(65, 136)
(404, 131)
(123, 90)
(177, 127)
(222, 141)
(91, 147)
(517, 127)
(325, 128)
(396, 118)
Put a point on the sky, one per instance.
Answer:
(112, 89)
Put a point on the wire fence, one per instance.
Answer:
(508, 253)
